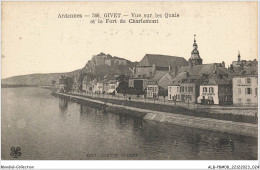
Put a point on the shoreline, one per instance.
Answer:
(239, 128)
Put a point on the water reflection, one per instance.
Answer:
(189, 143)
(76, 130)
(63, 105)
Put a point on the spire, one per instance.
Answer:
(238, 57)
(195, 56)
(195, 46)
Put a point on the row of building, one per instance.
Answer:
(194, 82)
(187, 81)
(106, 86)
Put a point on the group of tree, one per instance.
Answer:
(123, 86)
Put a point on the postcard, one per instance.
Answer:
(94, 81)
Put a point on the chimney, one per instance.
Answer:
(170, 68)
(238, 57)
(216, 65)
(223, 64)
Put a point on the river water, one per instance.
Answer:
(49, 128)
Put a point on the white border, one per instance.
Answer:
(160, 164)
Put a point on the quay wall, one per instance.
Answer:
(239, 128)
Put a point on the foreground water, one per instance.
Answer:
(49, 128)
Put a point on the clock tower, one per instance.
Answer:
(195, 56)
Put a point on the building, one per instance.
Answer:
(174, 93)
(112, 85)
(98, 88)
(151, 63)
(240, 64)
(185, 86)
(86, 83)
(65, 84)
(217, 89)
(195, 56)
(245, 86)
(159, 82)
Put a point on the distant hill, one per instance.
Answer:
(37, 79)
(99, 66)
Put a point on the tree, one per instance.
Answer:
(123, 84)
(145, 95)
(163, 92)
(81, 76)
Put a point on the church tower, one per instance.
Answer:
(195, 56)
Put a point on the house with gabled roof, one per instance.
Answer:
(186, 85)
(159, 81)
(217, 89)
(245, 86)
(151, 63)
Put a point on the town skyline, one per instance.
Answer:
(69, 44)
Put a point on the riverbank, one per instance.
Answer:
(197, 112)
(235, 127)
(251, 111)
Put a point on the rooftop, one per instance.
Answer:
(199, 73)
(162, 61)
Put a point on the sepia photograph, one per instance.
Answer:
(129, 81)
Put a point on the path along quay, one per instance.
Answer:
(234, 127)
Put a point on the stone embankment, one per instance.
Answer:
(239, 128)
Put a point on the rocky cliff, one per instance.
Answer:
(105, 64)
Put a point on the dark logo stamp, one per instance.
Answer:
(15, 152)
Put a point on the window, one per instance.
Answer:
(226, 98)
(248, 80)
(170, 90)
(186, 89)
(239, 90)
(211, 90)
(190, 89)
(170, 96)
(239, 81)
(248, 100)
(239, 100)
(205, 89)
(248, 91)
(178, 89)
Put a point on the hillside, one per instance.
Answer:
(37, 79)
(99, 66)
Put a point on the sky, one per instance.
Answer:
(35, 40)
